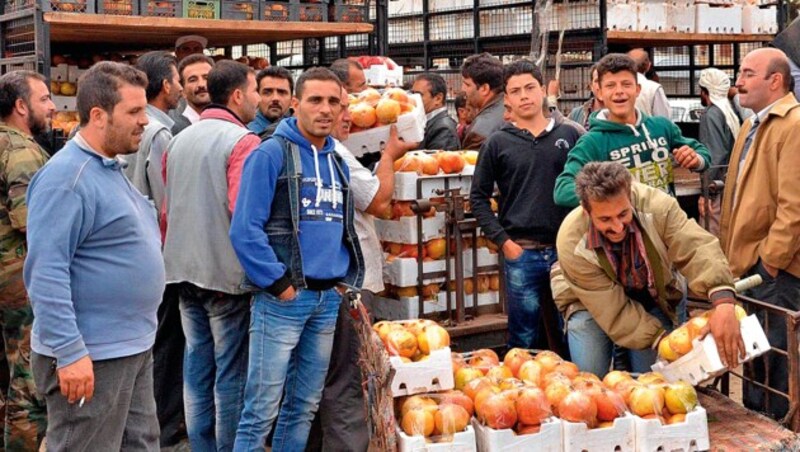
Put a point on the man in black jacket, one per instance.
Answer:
(440, 130)
(524, 158)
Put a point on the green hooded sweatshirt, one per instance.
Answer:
(645, 149)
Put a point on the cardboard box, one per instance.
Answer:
(703, 362)
(623, 17)
(410, 127)
(404, 272)
(681, 17)
(408, 307)
(433, 374)
(461, 442)
(404, 230)
(718, 19)
(405, 184)
(692, 434)
(578, 437)
(652, 16)
(547, 440)
(66, 103)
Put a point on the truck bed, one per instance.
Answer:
(732, 427)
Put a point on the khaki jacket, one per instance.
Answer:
(674, 243)
(761, 212)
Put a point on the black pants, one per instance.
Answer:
(783, 291)
(168, 369)
(340, 423)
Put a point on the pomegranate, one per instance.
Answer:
(531, 372)
(400, 342)
(433, 337)
(497, 412)
(532, 406)
(578, 407)
(418, 422)
(450, 419)
(454, 397)
(363, 115)
(646, 400)
(387, 110)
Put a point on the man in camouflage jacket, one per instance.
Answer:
(26, 110)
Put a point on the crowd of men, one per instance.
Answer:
(187, 259)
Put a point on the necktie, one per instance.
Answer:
(748, 141)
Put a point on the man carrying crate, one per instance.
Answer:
(623, 256)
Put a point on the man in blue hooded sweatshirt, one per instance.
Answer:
(293, 232)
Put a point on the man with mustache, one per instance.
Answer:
(95, 275)
(26, 110)
(275, 85)
(203, 167)
(193, 71)
(760, 224)
(625, 257)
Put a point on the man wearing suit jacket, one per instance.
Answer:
(440, 130)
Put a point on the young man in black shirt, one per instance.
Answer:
(523, 159)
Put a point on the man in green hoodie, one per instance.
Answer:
(621, 133)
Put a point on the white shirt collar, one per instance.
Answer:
(762, 115)
(430, 115)
(190, 114)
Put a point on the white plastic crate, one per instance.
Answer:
(623, 16)
(400, 7)
(404, 229)
(652, 16)
(681, 17)
(757, 20)
(691, 435)
(578, 437)
(404, 272)
(703, 362)
(410, 127)
(547, 440)
(461, 442)
(433, 374)
(66, 103)
(405, 184)
(59, 73)
(380, 75)
(408, 307)
(718, 19)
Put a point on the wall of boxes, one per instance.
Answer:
(687, 16)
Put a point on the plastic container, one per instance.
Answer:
(703, 362)
(718, 19)
(652, 436)
(405, 184)
(410, 127)
(433, 374)
(404, 229)
(272, 11)
(578, 437)
(240, 9)
(118, 7)
(311, 12)
(408, 307)
(549, 438)
(348, 13)
(461, 442)
(71, 6)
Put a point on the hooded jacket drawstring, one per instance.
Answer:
(318, 182)
(644, 128)
(333, 181)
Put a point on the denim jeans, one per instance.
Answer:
(214, 365)
(591, 349)
(527, 284)
(783, 291)
(290, 348)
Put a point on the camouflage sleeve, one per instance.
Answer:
(22, 164)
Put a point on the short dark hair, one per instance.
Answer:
(436, 82)
(780, 65)
(341, 68)
(99, 87)
(614, 63)
(157, 65)
(460, 101)
(16, 85)
(315, 73)
(194, 58)
(275, 72)
(522, 67)
(484, 69)
(599, 181)
(226, 77)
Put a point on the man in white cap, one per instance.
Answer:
(188, 45)
(719, 126)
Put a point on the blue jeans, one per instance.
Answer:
(214, 365)
(290, 348)
(527, 283)
(591, 349)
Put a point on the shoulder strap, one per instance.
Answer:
(291, 151)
